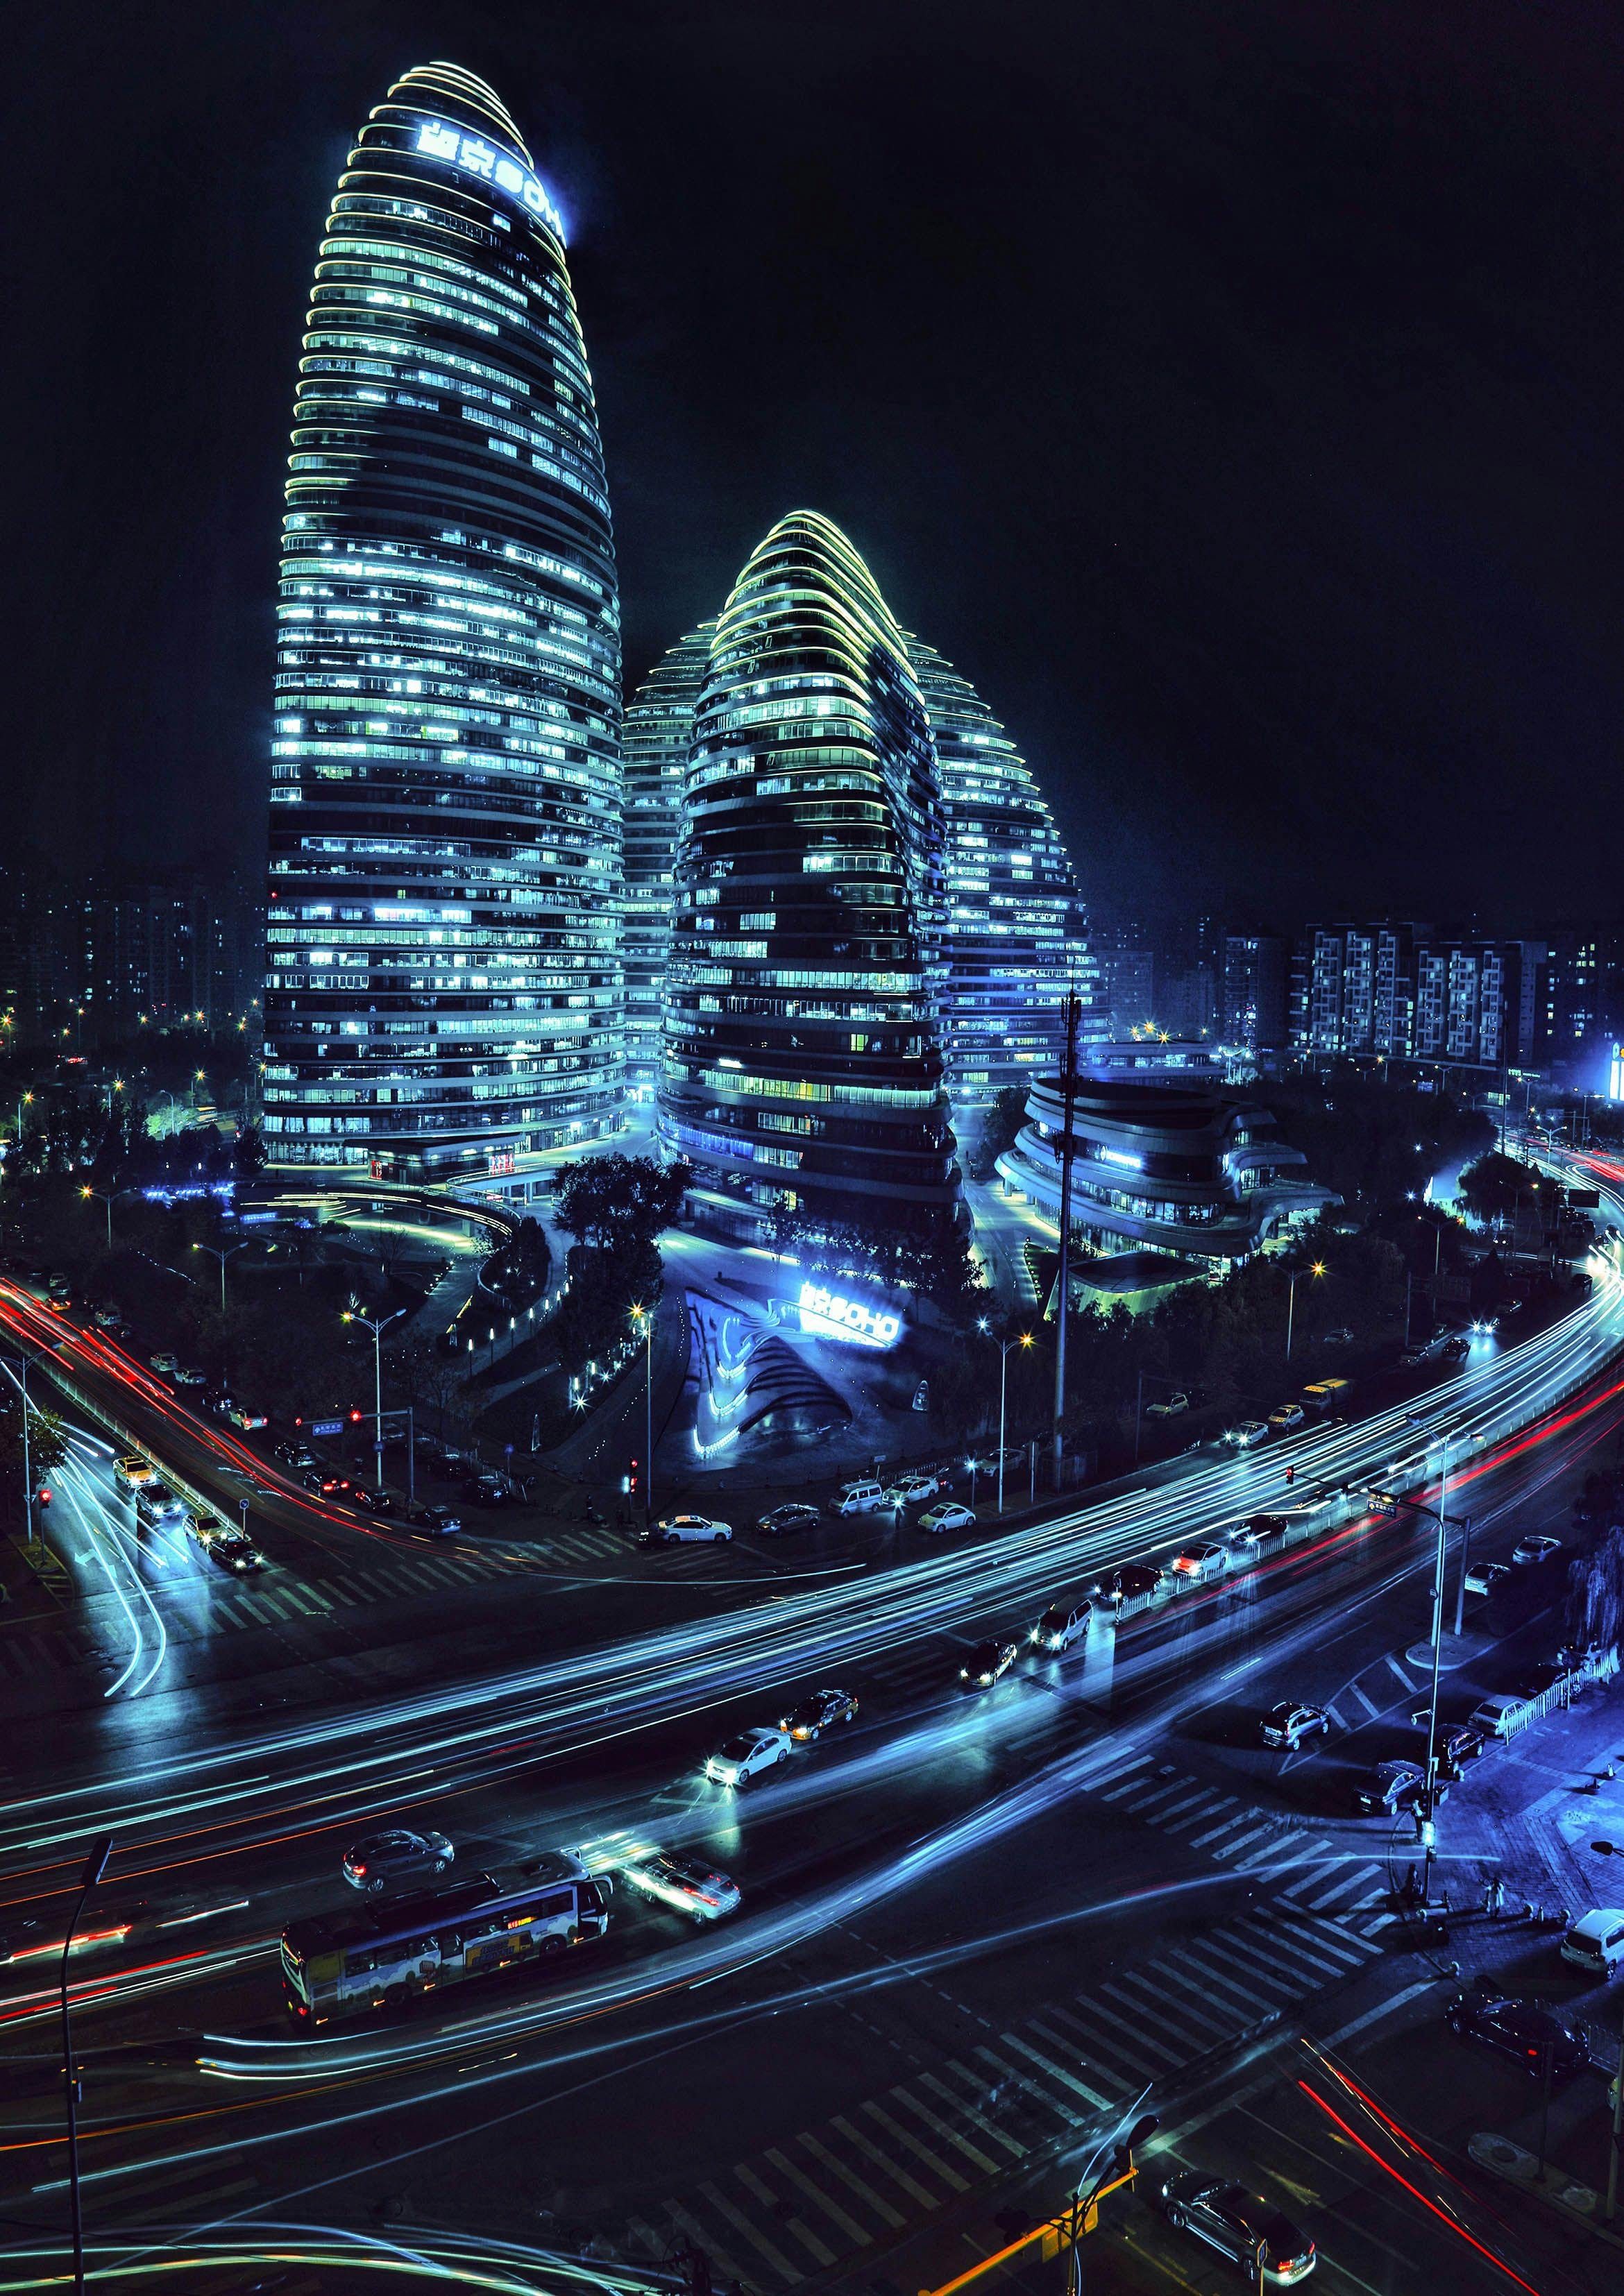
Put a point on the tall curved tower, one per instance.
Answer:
(1015, 943)
(658, 734)
(803, 1068)
(445, 871)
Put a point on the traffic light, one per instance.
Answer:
(355, 1418)
(1291, 1475)
(631, 1479)
(44, 1495)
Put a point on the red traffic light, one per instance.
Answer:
(45, 1498)
(355, 1418)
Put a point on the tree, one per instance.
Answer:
(47, 1446)
(249, 1152)
(1595, 1609)
(610, 1200)
(1490, 1188)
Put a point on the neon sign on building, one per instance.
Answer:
(835, 1317)
(478, 158)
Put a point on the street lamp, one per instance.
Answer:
(110, 1198)
(22, 1363)
(377, 1329)
(1427, 1811)
(216, 1251)
(95, 1866)
(1316, 1269)
(1021, 1339)
(644, 1318)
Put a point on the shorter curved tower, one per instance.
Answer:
(803, 1065)
(656, 736)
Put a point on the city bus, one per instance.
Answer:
(353, 1965)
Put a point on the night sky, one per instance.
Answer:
(1232, 393)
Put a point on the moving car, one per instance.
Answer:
(796, 1514)
(907, 1490)
(1538, 1548)
(378, 1860)
(1392, 1786)
(818, 1713)
(370, 1499)
(952, 1514)
(1247, 2229)
(986, 1662)
(674, 1530)
(133, 1469)
(295, 1455)
(863, 1498)
(1596, 1943)
(1170, 1407)
(241, 1415)
(329, 1483)
(233, 1550)
(1250, 1535)
(1483, 1578)
(1288, 1414)
(438, 1521)
(1208, 1561)
(1519, 2029)
(155, 1502)
(1454, 1348)
(686, 1884)
(1063, 1624)
(1288, 1726)
(1250, 1431)
(740, 1760)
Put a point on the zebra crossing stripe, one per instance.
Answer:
(1134, 2010)
(807, 2238)
(740, 2222)
(1369, 1704)
(1055, 2072)
(832, 2210)
(898, 2176)
(1200, 1812)
(905, 2096)
(988, 2129)
(1147, 1983)
(849, 2177)
(1094, 2041)
(1255, 2004)
(1200, 1841)
(1143, 1992)
(1029, 2086)
(920, 2151)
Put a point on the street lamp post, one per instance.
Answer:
(644, 1317)
(1316, 1269)
(95, 1866)
(1427, 1811)
(1021, 1339)
(377, 1329)
(110, 1198)
(22, 1363)
(222, 1254)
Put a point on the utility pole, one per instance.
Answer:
(1073, 1015)
(1611, 2202)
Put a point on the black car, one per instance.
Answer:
(486, 1490)
(818, 1713)
(1519, 2029)
(1132, 1578)
(1250, 2231)
(438, 1521)
(329, 1485)
(1392, 1787)
(986, 1662)
(369, 1499)
(1452, 1351)
(796, 1514)
(380, 1860)
(295, 1455)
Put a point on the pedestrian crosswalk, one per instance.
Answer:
(1319, 1877)
(192, 2192)
(838, 2191)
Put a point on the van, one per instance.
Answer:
(1327, 1394)
(1501, 1715)
(860, 1499)
(1596, 1943)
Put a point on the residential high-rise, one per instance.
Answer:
(803, 1063)
(659, 734)
(1405, 992)
(1010, 892)
(1255, 969)
(445, 878)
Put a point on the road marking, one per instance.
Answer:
(849, 2226)
(1400, 1671)
(1090, 2096)
(803, 2233)
(1258, 2004)
(1031, 2088)
(967, 2074)
(1137, 2009)
(740, 2222)
(1382, 2009)
(1333, 1715)
(905, 2096)
(1369, 1704)
(1200, 1841)
(1154, 1982)
(920, 2151)
(850, 2176)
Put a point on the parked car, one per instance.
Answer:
(1287, 1725)
(863, 1498)
(950, 1515)
(1483, 1578)
(1595, 1942)
(1287, 1415)
(687, 1884)
(1454, 1348)
(818, 1713)
(1248, 2230)
(378, 1861)
(678, 1529)
(1536, 1548)
(987, 1463)
(438, 1521)
(162, 1361)
(907, 1490)
(986, 1662)
(1063, 1624)
(1249, 1433)
(243, 1415)
(1205, 1561)
(1519, 2029)
(740, 1760)
(1389, 1787)
(1251, 1534)
(1171, 1407)
(1131, 1579)
(795, 1514)
(188, 1376)
(1342, 1337)
(486, 1490)
(1413, 1358)
(294, 1455)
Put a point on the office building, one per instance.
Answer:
(803, 1063)
(1016, 940)
(445, 876)
(659, 734)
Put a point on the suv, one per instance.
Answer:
(860, 1499)
(1063, 1624)
(1288, 1726)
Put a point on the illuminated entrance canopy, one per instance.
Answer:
(835, 1317)
(478, 158)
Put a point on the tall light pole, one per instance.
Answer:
(1316, 1269)
(377, 1329)
(1021, 1339)
(22, 1363)
(95, 1866)
(110, 1198)
(222, 1254)
(1428, 1807)
(1067, 1145)
(644, 1318)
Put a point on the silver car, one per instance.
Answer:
(384, 1861)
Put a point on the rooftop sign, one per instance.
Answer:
(477, 158)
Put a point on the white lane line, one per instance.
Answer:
(898, 2176)
(803, 2233)
(920, 2151)
(740, 2222)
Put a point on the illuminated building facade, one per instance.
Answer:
(658, 733)
(803, 1066)
(1014, 940)
(443, 972)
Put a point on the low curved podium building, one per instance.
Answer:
(803, 1072)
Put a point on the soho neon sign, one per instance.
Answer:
(492, 167)
(838, 1318)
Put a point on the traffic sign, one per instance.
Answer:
(326, 1427)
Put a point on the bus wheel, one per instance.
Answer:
(394, 1995)
(552, 1943)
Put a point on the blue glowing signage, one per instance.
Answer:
(1119, 1156)
(835, 1317)
(475, 157)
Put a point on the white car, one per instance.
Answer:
(1249, 1432)
(740, 1760)
(1289, 1415)
(240, 1415)
(1483, 1578)
(677, 1528)
(163, 1361)
(907, 1490)
(188, 1376)
(866, 1497)
(951, 1515)
(1170, 1408)
(686, 1884)
(1537, 1549)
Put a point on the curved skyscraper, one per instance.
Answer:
(1011, 898)
(803, 1069)
(445, 876)
(659, 734)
